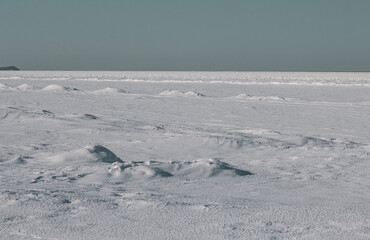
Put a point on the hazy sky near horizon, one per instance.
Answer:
(237, 35)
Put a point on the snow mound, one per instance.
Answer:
(260, 98)
(110, 90)
(19, 159)
(5, 87)
(58, 88)
(205, 168)
(177, 93)
(201, 168)
(136, 170)
(95, 153)
(25, 87)
(120, 171)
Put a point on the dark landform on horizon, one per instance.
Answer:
(9, 68)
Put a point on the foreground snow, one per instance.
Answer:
(172, 155)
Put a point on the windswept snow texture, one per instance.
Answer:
(184, 155)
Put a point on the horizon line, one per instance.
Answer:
(328, 71)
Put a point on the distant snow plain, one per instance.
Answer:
(184, 155)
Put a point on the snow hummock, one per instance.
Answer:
(110, 90)
(5, 87)
(58, 88)
(200, 168)
(96, 153)
(205, 168)
(261, 98)
(25, 87)
(177, 93)
(135, 170)
(89, 116)
(18, 159)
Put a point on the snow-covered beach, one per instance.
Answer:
(184, 155)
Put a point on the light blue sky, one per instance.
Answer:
(295, 35)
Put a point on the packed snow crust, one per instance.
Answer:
(184, 155)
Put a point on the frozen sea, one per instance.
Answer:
(184, 155)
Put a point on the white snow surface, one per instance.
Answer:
(184, 155)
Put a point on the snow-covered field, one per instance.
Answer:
(184, 155)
